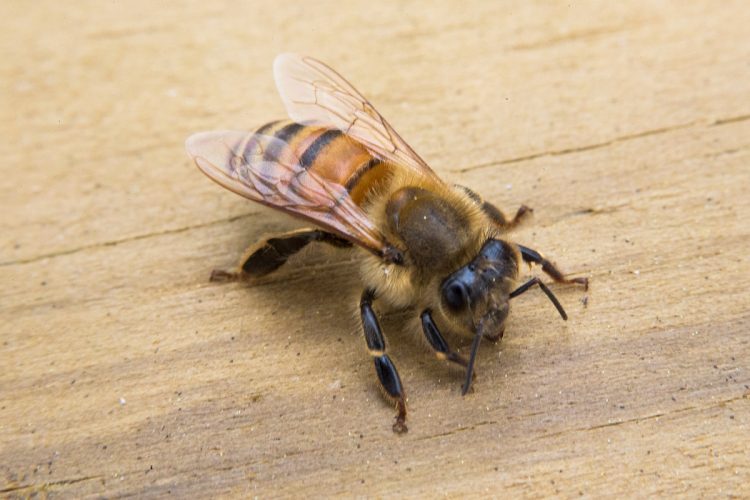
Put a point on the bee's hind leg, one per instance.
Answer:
(388, 377)
(533, 257)
(265, 257)
(495, 214)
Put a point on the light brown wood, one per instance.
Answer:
(125, 372)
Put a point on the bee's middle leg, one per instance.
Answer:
(265, 257)
(533, 257)
(495, 214)
(388, 377)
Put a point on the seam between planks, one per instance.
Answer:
(604, 144)
(137, 237)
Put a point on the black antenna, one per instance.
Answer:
(470, 367)
(536, 281)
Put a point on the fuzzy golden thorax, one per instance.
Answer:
(438, 226)
(440, 230)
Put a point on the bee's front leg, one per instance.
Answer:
(437, 342)
(390, 382)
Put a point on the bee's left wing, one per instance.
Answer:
(265, 169)
(315, 94)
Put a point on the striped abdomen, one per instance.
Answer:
(330, 154)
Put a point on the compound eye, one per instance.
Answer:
(455, 295)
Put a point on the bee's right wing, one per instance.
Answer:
(315, 94)
(265, 169)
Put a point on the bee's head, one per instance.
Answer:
(477, 295)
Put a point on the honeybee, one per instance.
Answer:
(425, 244)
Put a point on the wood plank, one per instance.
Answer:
(626, 127)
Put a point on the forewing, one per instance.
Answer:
(315, 94)
(266, 170)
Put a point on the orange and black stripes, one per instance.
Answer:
(265, 129)
(284, 135)
(313, 151)
(328, 153)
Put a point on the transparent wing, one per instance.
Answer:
(315, 94)
(264, 169)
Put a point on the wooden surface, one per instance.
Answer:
(125, 372)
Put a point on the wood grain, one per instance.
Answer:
(125, 372)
